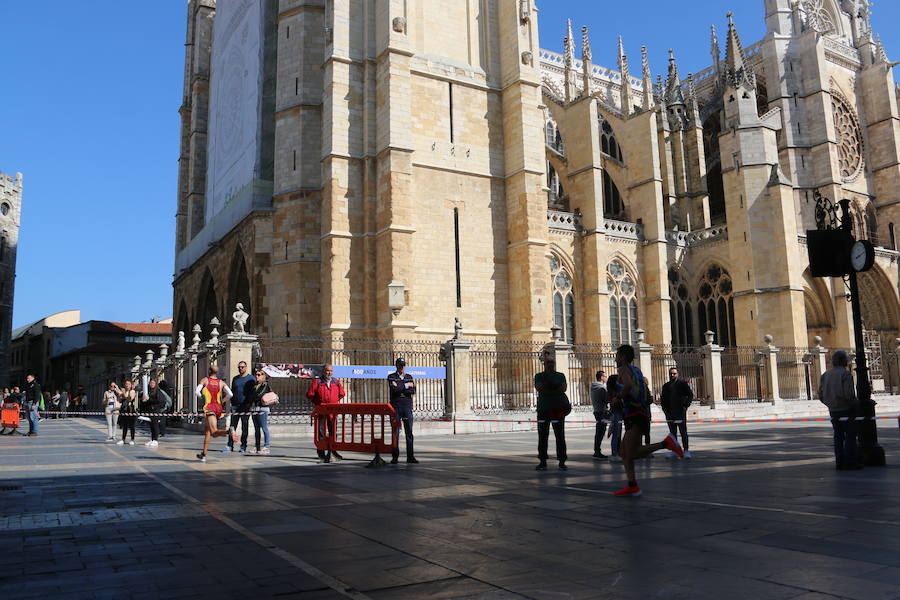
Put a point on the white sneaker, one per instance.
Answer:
(264, 450)
(154, 444)
(227, 449)
(131, 443)
(615, 458)
(252, 451)
(120, 443)
(687, 454)
(670, 454)
(148, 443)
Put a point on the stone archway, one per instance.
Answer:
(208, 306)
(881, 321)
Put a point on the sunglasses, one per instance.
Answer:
(260, 373)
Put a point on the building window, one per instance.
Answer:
(715, 305)
(608, 144)
(623, 309)
(681, 312)
(553, 137)
(4, 209)
(892, 239)
(613, 207)
(563, 300)
(556, 196)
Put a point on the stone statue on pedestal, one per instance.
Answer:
(179, 348)
(240, 319)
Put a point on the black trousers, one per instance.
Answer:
(405, 415)
(559, 432)
(127, 423)
(154, 428)
(244, 420)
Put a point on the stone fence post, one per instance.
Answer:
(771, 357)
(712, 369)
(819, 364)
(644, 357)
(459, 376)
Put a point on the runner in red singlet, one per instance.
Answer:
(213, 392)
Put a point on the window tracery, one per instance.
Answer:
(608, 143)
(563, 299)
(849, 135)
(715, 305)
(681, 310)
(623, 309)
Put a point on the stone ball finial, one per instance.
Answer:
(817, 340)
(768, 339)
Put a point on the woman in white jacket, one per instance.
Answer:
(111, 407)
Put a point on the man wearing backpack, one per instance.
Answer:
(676, 396)
(636, 409)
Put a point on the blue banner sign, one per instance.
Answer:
(299, 371)
(377, 372)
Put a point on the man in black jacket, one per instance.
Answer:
(675, 398)
(32, 398)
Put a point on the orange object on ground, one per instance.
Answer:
(368, 428)
(9, 415)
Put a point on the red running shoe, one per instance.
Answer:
(673, 445)
(629, 490)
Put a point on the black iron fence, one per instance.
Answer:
(744, 375)
(502, 376)
(584, 362)
(795, 374)
(689, 363)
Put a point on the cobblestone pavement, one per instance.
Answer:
(758, 513)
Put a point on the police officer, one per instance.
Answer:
(402, 388)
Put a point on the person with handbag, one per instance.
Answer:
(261, 398)
(111, 406)
(326, 390)
(552, 407)
(675, 398)
(127, 410)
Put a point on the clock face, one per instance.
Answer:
(859, 255)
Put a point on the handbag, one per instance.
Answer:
(269, 399)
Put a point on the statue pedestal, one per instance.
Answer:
(238, 347)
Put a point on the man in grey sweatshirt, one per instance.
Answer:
(837, 392)
(600, 405)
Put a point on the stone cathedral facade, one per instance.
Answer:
(379, 168)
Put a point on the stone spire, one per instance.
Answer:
(715, 51)
(586, 63)
(569, 64)
(737, 73)
(647, 81)
(880, 53)
(674, 94)
(693, 107)
(625, 89)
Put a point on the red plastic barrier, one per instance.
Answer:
(368, 428)
(9, 415)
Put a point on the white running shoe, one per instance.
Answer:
(687, 454)
(227, 449)
(148, 443)
(131, 443)
(154, 444)
(252, 451)
(120, 443)
(264, 450)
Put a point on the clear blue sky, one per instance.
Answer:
(88, 114)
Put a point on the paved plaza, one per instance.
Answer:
(759, 513)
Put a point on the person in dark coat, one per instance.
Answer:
(402, 388)
(32, 397)
(676, 396)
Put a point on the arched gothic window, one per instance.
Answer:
(623, 310)
(553, 137)
(681, 312)
(613, 206)
(872, 225)
(608, 143)
(563, 300)
(556, 196)
(715, 305)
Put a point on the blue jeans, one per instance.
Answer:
(33, 420)
(261, 421)
(844, 438)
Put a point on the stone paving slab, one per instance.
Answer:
(759, 513)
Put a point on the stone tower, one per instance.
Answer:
(10, 214)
